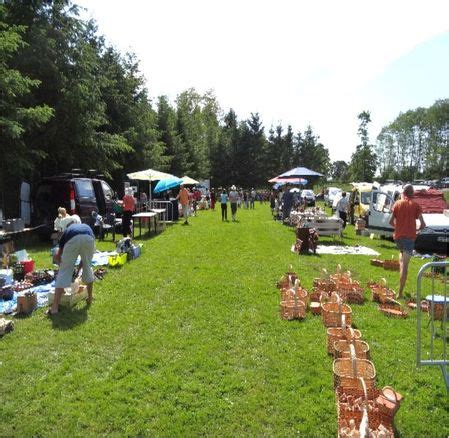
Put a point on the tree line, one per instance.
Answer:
(68, 100)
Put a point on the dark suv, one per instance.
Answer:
(77, 194)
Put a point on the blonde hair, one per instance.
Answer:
(62, 211)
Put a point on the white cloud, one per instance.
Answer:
(296, 61)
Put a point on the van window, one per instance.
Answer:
(84, 189)
(366, 197)
(108, 193)
(383, 203)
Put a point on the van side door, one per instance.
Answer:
(380, 213)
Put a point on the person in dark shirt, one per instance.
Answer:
(77, 240)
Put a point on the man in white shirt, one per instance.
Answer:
(342, 208)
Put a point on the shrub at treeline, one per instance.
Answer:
(67, 100)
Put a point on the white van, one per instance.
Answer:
(434, 238)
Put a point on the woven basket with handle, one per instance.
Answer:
(335, 313)
(348, 370)
(340, 333)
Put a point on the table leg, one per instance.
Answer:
(140, 227)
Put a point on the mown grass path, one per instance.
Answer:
(187, 340)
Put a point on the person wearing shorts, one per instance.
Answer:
(405, 214)
(184, 199)
(77, 240)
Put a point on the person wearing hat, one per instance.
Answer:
(405, 212)
(233, 199)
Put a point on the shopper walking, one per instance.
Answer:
(183, 197)
(233, 199)
(405, 213)
(252, 198)
(342, 208)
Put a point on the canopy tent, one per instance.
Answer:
(167, 184)
(296, 175)
(299, 172)
(149, 175)
(294, 181)
(189, 181)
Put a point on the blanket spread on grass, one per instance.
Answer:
(341, 250)
(99, 259)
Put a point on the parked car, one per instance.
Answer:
(360, 198)
(308, 196)
(444, 183)
(329, 195)
(77, 194)
(434, 238)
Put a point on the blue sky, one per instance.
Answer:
(295, 62)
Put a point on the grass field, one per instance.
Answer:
(187, 340)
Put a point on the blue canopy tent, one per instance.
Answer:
(167, 184)
(300, 172)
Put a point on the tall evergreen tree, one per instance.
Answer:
(363, 161)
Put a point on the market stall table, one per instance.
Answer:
(145, 215)
(161, 213)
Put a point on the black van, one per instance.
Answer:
(77, 194)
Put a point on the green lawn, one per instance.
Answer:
(187, 340)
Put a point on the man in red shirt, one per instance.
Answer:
(405, 213)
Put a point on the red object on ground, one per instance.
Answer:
(431, 201)
(28, 266)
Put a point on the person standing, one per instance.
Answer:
(183, 198)
(129, 207)
(342, 208)
(224, 205)
(213, 199)
(287, 203)
(77, 240)
(233, 199)
(405, 213)
(252, 198)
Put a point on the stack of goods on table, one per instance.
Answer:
(325, 226)
(307, 215)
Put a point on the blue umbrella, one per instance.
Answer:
(167, 184)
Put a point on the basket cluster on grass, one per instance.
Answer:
(363, 408)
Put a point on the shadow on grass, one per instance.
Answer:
(68, 319)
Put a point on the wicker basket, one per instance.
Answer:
(388, 402)
(376, 262)
(295, 310)
(340, 333)
(324, 284)
(393, 309)
(288, 279)
(391, 265)
(356, 295)
(348, 371)
(315, 307)
(336, 314)
(350, 405)
(342, 349)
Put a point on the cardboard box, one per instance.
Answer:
(70, 299)
(26, 302)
